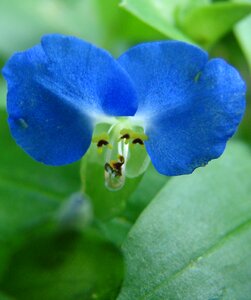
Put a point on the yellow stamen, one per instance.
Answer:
(125, 135)
(103, 136)
(141, 136)
(101, 140)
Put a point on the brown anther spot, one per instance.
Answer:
(125, 136)
(138, 141)
(102, 143)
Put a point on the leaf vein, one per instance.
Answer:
(219, 243)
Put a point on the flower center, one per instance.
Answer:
(122, 147)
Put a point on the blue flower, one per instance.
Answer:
(186, 105)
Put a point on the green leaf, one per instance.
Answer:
(197, 22)
(242, 32)
(64, 265)
(158, 14)
(29, 191)
(194, 239)
(206, 24)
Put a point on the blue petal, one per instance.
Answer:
(54, 91)
(90, 74)
(162, 72)
(191, 106)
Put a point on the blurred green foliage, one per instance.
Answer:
(49, 250)
(65, 265)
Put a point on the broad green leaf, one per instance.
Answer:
(159, 14)
(194, 239)
(64, 265)
(206, 24)
(197, 22)
(29, 191)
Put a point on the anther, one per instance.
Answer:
(101, 143)
(139, 138)
(101, 140)
(126, 135)
(138, 141)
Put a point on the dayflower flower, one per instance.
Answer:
(166, 96)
